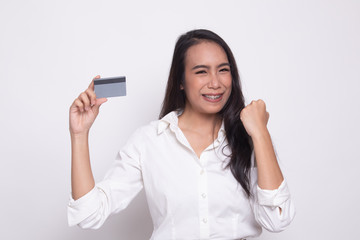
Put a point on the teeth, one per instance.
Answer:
(212, 96)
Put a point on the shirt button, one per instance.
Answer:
(203, 195)
(204, 220)
(202, 171)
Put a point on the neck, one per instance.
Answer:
(200, 122)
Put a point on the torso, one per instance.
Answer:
(182, 189)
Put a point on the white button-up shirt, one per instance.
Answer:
(188, 197)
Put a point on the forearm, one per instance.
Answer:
(269, 173)
(82, 180)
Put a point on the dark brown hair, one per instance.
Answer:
(238, 140)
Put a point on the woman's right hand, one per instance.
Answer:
(84, 110)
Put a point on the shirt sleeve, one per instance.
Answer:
(266, 204)
(121, 184)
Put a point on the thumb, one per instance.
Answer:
(99, 102)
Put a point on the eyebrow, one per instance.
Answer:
(207, 67)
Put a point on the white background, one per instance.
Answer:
(301, 57)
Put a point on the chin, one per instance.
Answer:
(211, 111)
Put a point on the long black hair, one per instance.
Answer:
(238, 140)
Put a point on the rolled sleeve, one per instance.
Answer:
(266, 204)
(80, 210)
(273, 198)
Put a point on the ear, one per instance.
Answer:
(181, 87)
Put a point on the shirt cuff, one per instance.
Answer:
(78, 210)
(273, 198)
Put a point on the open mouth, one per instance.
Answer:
(212, 97)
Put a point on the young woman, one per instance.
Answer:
(207, 165)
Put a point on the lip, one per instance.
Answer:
(213, 100)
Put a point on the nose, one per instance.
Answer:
(214, 81)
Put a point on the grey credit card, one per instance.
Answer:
(110, 87)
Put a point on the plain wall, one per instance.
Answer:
(300, 57)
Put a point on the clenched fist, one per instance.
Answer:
(255, 117)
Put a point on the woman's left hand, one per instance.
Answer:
(255, 117)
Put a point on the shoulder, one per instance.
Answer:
(141, 137)
(146, 131)
(154, 129)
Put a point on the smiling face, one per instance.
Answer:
(208, 80)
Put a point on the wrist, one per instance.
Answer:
(79, 136)
(261, 134)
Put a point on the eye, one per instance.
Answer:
(200, 72)
(225, 70)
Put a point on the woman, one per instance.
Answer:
(207, 165)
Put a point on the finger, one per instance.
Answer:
(92, 96)
(98, 103)
(85, 100)
(79, 105)
(262, 102)
(91, 86)
(242, 114)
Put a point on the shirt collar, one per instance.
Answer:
(171, 119)
(222, 132)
